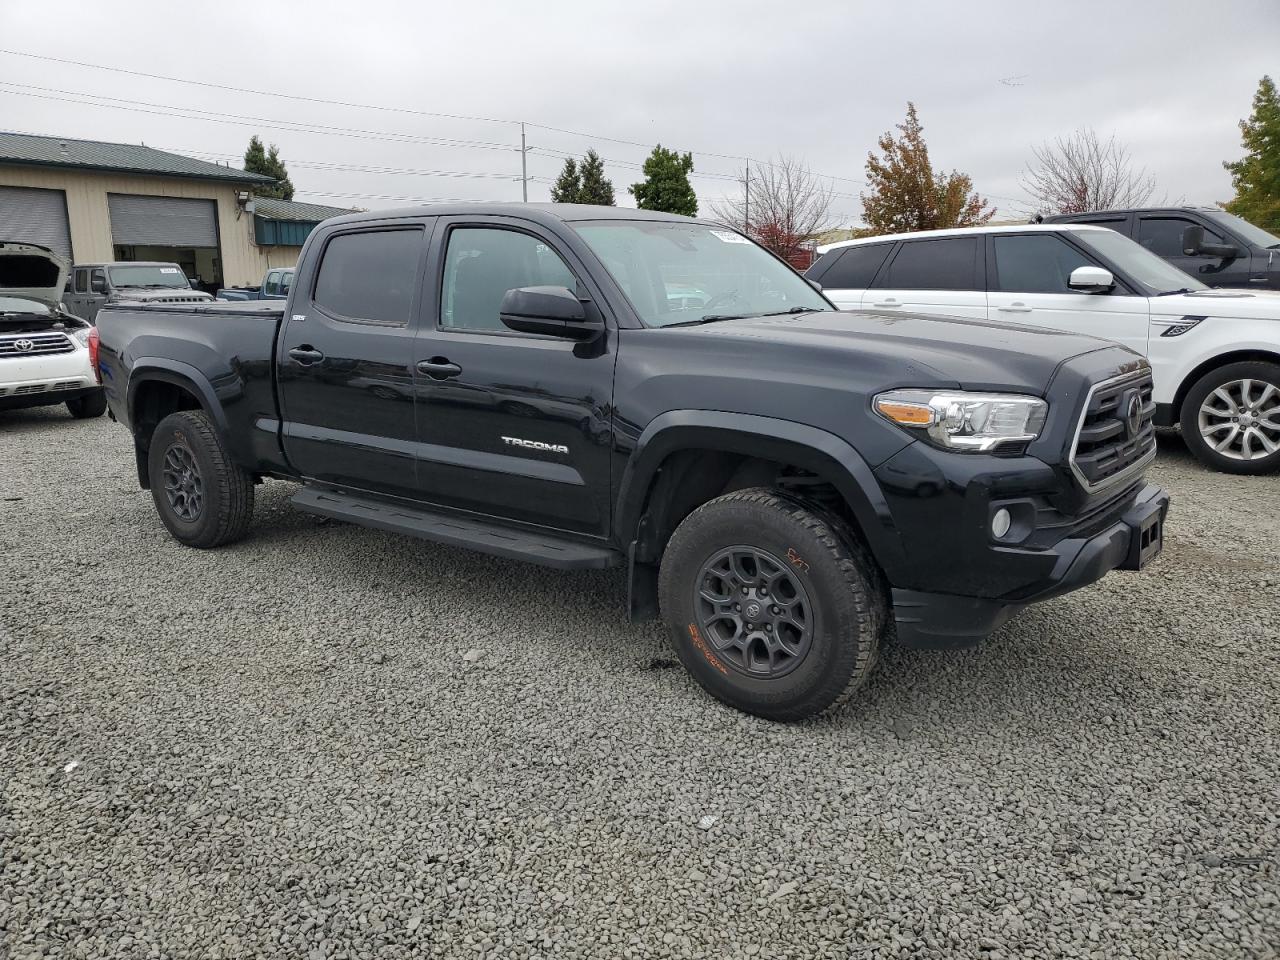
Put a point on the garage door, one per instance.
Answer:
(162, 221)
(35, 216)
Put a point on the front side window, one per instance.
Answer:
(148, 277)
(272, 283)
(371, 275)
(482, 264)
(680, 272)
(947, 264)
(98, 279)
(856, 267)
(1035, 263)
(1163, 235)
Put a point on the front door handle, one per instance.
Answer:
(1015, 307)
(306, 354)
(889, 302)
(439, 368)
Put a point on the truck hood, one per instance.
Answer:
(1247, 304)
(975, 354)
(32, 271)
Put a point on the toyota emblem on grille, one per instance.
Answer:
(24, 346)
(1133, 413)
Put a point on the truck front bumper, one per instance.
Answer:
(941, 620)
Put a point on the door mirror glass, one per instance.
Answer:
(556, 311)
(1091, 280)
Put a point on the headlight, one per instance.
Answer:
(967, 422)
(82, 334)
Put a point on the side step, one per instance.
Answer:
(443, 528)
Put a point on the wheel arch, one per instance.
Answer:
(1244, 355)
(158, 387)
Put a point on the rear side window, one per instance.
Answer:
(856, 267)
(372, 275)
(948, 264)
(1035, 263)
(1163, 235)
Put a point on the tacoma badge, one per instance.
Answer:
(535, 445)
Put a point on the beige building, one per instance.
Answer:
(96, 202)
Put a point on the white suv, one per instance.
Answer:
(1215, 354)
(45, 352)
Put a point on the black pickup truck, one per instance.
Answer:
(786, 484)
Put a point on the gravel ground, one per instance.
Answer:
(331, 742)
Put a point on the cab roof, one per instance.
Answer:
(963, 232)
(544, 213)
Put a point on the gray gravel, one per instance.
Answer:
(331, 742)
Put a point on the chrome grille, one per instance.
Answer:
(35, 344)
(1116, 435)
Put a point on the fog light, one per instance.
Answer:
(1000, 523)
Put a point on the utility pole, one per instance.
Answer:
(746, 203)
(524, 165)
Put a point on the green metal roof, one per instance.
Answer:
(24, 149)
(295, 210)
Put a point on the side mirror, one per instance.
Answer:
(1091, 280)
(554, 311)
(815, 284)
(1193, 245)
(98, 285)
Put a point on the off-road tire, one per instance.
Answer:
(89, 406)
(1259, 372)
(836, 574)
(227, 490)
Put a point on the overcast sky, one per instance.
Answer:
(819, 80)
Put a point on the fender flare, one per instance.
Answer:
(768, 438)
(164, 370)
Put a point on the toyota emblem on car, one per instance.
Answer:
(24, 346)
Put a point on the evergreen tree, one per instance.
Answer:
(258, 159)
(1256, 176)
(906, 193)
(666, 183)
(568, 186)
(596, 187)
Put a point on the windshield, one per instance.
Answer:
(1245, 230)
(674, 272)
(22, 305)
(158, 275)
(1154, 275)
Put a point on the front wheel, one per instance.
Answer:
(202, 496)
(770, 608)
(1231, 418)
(89, 406)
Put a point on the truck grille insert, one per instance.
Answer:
(1116, 435)
(34, 345)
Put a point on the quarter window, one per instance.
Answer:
(1036, 263)
(947, 264)
(1163, 235)
(371, 275)
(482, 264)
(856, 267)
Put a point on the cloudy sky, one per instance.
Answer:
(819, 80)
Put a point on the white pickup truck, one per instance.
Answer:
(45, 352)
(1215, 354)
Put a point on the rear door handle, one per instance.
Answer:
(306, 354)
(889, 302)
(1015, 307)
(438, 368)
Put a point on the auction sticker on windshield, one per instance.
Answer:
(168, 269)
(728, 237)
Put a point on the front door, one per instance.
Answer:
(1162, 235)
(942, 276)
(1028, 276)
(345, 359)
(512, 425)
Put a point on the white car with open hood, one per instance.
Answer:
(45, 352)
(1215, 354)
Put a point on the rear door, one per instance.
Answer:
(1028, 273)
(513, 425)
(345, 357)
(851, 271)
(942, 276)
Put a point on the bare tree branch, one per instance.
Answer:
(781, 204)
(1081, 173)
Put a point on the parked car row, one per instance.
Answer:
(1215, 353)
(275, 286)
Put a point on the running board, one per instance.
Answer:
(489, 538)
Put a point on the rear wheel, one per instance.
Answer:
(89, 406)
(772, 609)
(203, 498)
(1231, 418)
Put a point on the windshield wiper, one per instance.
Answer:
(711, 318)
(1170, 293)
(783, 313)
